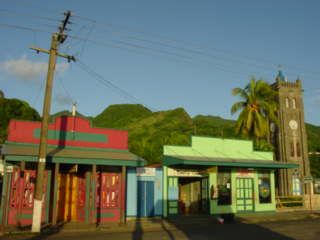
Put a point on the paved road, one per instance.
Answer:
(306, 230)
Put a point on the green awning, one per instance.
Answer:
(207, 161)
(73, 155)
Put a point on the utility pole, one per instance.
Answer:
(56, 39)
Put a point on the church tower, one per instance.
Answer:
(290, 136)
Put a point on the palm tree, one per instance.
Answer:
(258, 108)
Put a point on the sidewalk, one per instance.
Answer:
(169, 224)
(276, 216)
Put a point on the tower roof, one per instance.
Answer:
(280, 76)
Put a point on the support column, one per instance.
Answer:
(22, 166)
(123, 195)
(55, 205)
(93, 194)
(3, 215)
(165, 192)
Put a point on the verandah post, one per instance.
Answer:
(55, 205)
(123, 195)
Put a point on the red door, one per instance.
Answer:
(21, 197)
(81, 199)
(108, 197)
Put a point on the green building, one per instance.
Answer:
(217, 176)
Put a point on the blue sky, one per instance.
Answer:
(167, 54)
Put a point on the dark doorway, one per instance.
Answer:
(193, 195)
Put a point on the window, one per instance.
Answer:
(298, 149)
(292, 149)
(224, 186)
(264, 187)
(296, 186)
(287, 102)
(294, 103)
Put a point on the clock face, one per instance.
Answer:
(293, 124)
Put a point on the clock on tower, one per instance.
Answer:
(290, 136)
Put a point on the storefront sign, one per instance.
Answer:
(184, 173)
(146, 172)
(245, 173)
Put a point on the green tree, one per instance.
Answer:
(14, 109)
(257, 108)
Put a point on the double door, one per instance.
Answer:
(145, 198)
(71, 197)
(22, 189)
(245, 197)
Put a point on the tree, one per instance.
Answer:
(258, 108)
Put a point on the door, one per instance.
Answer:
(245, 195)
(22, 197)
(108, 197)
(145, 198)
(67, 197)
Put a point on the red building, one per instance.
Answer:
(85, 174)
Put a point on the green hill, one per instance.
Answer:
(121, 115)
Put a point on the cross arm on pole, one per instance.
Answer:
(69, 57)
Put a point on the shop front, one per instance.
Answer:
(85, 176)
(187, 191)
(217, 176)
(144, 192)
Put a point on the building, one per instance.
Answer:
(85, 175)
(290, 137)
(216, 176)
(144, 192)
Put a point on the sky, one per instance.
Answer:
(163, 54)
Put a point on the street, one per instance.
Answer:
(301, 229)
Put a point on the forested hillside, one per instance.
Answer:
(14, 109)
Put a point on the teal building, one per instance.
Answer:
(218, 176)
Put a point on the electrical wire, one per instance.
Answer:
(6, 25)
(109, 84)
(254, 61)
(17, 13)
(167, 39)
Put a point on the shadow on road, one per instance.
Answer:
(207, 227)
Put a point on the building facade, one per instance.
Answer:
(218, 176)
(144, 192)
(85, 176)
(290, 137)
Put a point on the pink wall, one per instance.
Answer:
(23, 132)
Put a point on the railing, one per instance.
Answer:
(289, 201)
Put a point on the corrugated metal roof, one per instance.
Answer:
(67, 152)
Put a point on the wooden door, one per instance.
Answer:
(67, 200)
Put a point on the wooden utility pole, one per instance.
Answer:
(56, 39)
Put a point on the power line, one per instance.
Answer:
(179, 57)
(198, 46)
(63, 86)
(189, 50)
(167, 39)
(17, 13)
(6, 25)
(109, 84)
